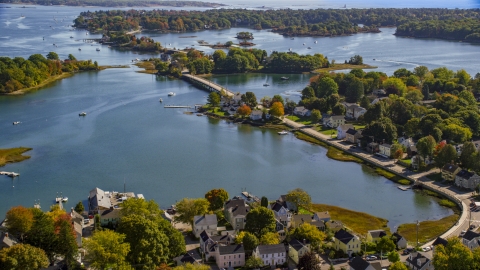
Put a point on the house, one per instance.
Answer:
(358, 263)
(322, 216)
(208, 243)
(297, 249)
(256, 115)
(235, 212)
(353, 136)
(449, 171)
(375, 235)
(412, 151)
(271, 254)
(289, 205)
(342, 131)
(206, 223)
(6, 241)
(98, 201)
(76, 216)
(110, 217)
(353, 110)
(281, 213)
(78, 228)
(373, 147)
(439, 241)
(280, 228)
(333, 121)
(385, 150)
(405, 141)
(375, 101)
(237, 98)
(334, 225)
(191, 256)
(299, 219)
(230, 256)
(417, 261)
(399, 240)
(301, 111)
(347, 242)
(466, 179)
(471, 239)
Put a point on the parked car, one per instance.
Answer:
(371, 258)
(426, 249)
(405, 252)
(86, 221)
(472, 226)
(463, 233)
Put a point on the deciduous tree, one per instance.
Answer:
(19, 221)
(189, 266)
(107, 249)
(216, 198)
(309, 261)
(244, 110)
(260, 221)
(250, 242)
(309, 232)
(467, 156)
(316, 116)
(397, 266)
(299, 198)
(254, 263)
(213, 99)
(22, 256)
(270, 238)
(454, 256)
(188, 208)
(250, 99)
(446, 155)
(277, 109)
(425, 146)
(393, 257)
(264, 201)
(141, 207)
(385, 244)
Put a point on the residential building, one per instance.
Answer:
(235, 212)
(237, 98)
(342, 131)
(110, 217)
(271, 254)
(439, 241)
(230, 256)
(301, 111)
(405, 141)
(281, 213)
(353, 135)
(347, 242)
(449, 171)
(256, 115)
(471, 239)
(373, 147)
(77, 217)
(417, 261)
(296, 249)
(385, 150)
(353, 110)
(98, 201)
(78, 228)
(399, 240)
(6, 240)
(208, 242)
(466, 179)
(287, 204)
(206, 223)
(191, 256)
(375, 235)
(299, 219)
(333, 121)
(411, 151)
(280, 229)
(322, 216)
(334, 225)
(358, 263)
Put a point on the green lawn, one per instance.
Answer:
(328, 131)
(302, 120)
(427, 230)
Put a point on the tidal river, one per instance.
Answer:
(128, 137)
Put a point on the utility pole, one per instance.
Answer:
(418, 224)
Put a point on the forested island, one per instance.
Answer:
(454, 24)
(114, 3)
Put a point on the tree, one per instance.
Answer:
(52, 56)
(338, 109)
(425, 146)
(420, 71)
(398, 154)
(326, 87)
(260, 221)
(189, 266)
(213, 99)
(71, 57)
(216, 198)
(397, 266)
(467, 156)
(385, 244)
(381, 130)
(244, 110)
(264, 202)
(250, 241)
(270, 238)
(299, 198)
(354, 90)
(446, 155)
(188, 208)
(107, 249)
(309, 232)
(254, 263)
(395, 86)
(393, 257)
(365, 102)
(141, 207)
(176, 241)
(454, 256)
(23, 256)
(356, 60)
(309, 261)
(250, 99)
(277, 109)
(308, 92)
(414, 95)
(66, 244)
(19, 221)
(42, 234)
(79, 208)
(278, 98)
(316, 116)
(148, 245)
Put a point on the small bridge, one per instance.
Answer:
(206, 84)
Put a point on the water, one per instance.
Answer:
(127, 136)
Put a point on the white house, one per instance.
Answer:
(256, 115)
(301, 111)
(470, 239)
(342, 131)
(385, 150)
(206, 223)
(271, 254)
(407, 142)
(399, 240)
(235, 212)
(417, 261)
(230, 256)
(333, 121)
(297, 249)
(353, 110)
(466, 179)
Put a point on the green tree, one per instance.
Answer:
(385, 244)
(309, 261)
(107, 249)
(277, 109)
(79, 208)
(326, 87)
(338, 109)
(216, 198)
(278, 98)
(189, 266)
(446, 155)
(354, 90)
(454, 256)
(299, 198)
(397, 266)
(250, 242)
(270, 238)
(316, 116)
(250, 99)
(176, 241)
(395, 86)
(365, 102)
(467, 156)
(393, 257)
(42, 234)
(71, 57)
(213, 99)
(52, 56)
(425, 146)
(308, 92)
(66, 244)
(19, 221)
(188, 208)
(414, 96)
(23, 256)
(141, 207)
(381, 130)
(264, 202)
(253, 263)
(468, 97)
(260, 221)
(309, 232)
(420, 71)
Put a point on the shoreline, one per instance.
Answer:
(13, 155)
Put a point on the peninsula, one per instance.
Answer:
(13, 155)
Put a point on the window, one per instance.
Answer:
(239, 256)
(234, 256)
(224, 257)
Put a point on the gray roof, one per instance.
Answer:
(386, 145)
(345, 126)
(397, 236)
(465, 174)
(110, 213)
(98, 198)
(232, 249)
(450, 168)
(440, 241)
(377, 233)
(337, 117)
(358, 263)
(270, 249)
(417, 259)
(223, 238)
(344, 236)
(322, 215)
(191, 256)
(297, 245)
(470, 235)
(301, 218)
(204, 236)
(205, 220)
(277, 206)
(256, 112)
(352, 131)
(237, 207)
(7, 240)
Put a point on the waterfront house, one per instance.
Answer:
(466, 179)
(98, 201)
(334, 225)
(237, 98)
(191, 256)
(296, 249)
(271, 254)
(230, 256)
(375, 235)
(321, 216)
(281, 213)
(353, 135)
(342, 131)
(471, 239)
(385, 150)
(235, 212)
(417, 261)
(7, 240)
(110, 217)
(76, 216)
(287, 204)
(358, 263)
(256, 115)
(333, 121)
(373, 147)
(347, 242)
(206, 223)
(399, 240)
(301, 111)
(405, 141)
(449, 171)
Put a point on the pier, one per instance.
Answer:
(176, 106)
(207, 85)
(10, 174)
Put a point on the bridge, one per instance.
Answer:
(207, 85)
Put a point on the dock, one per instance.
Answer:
(10, 174)
(404, 188)
(176, 106)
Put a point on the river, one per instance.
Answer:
(128, 137)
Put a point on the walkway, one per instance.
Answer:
(462, 199)
(211, 86)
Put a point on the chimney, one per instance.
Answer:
(304, 241)
(6, 234)
(111, 207)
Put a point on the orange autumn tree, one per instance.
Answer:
(244, 110)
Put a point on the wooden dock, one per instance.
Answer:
(176, 106)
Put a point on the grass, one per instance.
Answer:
(328, 131)
(447, 203)
(359, 222)
(13, 155)
(407, 161)
(404, 182)
(391, 176)
(304, 211)
(344, 66)
(148, 67)
(427, 230)
(435, 177)
(302, 120)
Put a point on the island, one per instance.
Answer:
(13, 155)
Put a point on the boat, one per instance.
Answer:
(16, 122)
(161, 100)
(98, 49)
(309, 47)
(292, 38)
(316, 42)
(82, 114)
(266, 84)
(79, 49)
(64, 199)
(283, 132)
(71, 36)
(284, 78)
(303, 44)
(199, 114)
(171, 94)
(290, 49)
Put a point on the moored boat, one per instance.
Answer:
(283, 132)
(171, 94)
(82, 114)
(284, 78)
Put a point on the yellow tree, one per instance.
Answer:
(19, 220)
(107, 249)
(277, 109)
(22, 256)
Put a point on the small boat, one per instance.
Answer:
(64, 199)
(309, 47)
(284, 78)
(292, 38)
(290, 49)
(71, 36)
(16, 122)
(171, 94)
(199, 114)
(98, 49)
(79, 49)
(266, 84)
(161, 100)
(82, 114)
(284, 132)
(303, 44)
(316, 42)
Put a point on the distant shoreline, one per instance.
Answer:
(138, 4)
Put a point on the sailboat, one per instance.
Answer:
(345, 6)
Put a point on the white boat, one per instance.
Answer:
(82, 114)
(161, 100)
(16, 122)
(284, 132)
(171, 94)
(98, 49)
(284, 78)
(316, 42)
(290, 49)
(303, 44)
(266, 84)
(64, 199)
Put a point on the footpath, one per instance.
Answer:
(460, 198)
